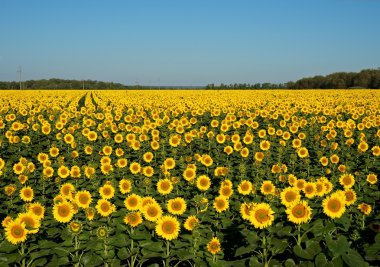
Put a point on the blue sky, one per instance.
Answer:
(187, 42)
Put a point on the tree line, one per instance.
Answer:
(368, 78)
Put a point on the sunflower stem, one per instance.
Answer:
(265, 252)
(22, 253)
(167, 260)
(363, 222)
(299, 239)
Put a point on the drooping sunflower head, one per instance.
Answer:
(191, 222)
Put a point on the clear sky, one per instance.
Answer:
(187, 42)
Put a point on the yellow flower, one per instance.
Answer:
(221, 204)
(303, 152)
(214, 246)
(63, 171)
(365, 208)
(267, 188)
(125, 186)
(32, 223)
(350, 196)
(191, 222)
(135, 168)
(203, 183)
(299, 212)
(347, 180)
(245, 210)
(107, 191)
(176, 206)
(245, 187)
(132, 202)
(105, 208)
(164, 186)
(261, 215)
(15, 232)
(310, 190)
(152, 212)
(189, 174)
(372, 178)
(27, 194)
(289, 196)
(37, 209)
(264, 145)
(63, 212)
(169, 163)
(133, 219)
(334, 205)
(83, 199)
(168, 227)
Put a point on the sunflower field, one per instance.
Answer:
(190, 178)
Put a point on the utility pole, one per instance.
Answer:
(20, 72)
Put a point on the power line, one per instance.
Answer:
(20, 72)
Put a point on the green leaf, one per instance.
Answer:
(243, 250)
(312, 249)
(353, 259)
(337, 247)
(46, 244)
(373, 251)
(9, 258)
(91, 259)
(290, 263)
(39, 262)
(40, 253)
(253, 261)
(7, 247)
(61, 252)
(118, 241)
(151, 246)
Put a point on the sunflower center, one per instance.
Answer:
(334, 205)
(105, 207)
(299, 211)
(63, 211)
(83, 199)
(290, 196)
(152, 212)
(168, 227)
(261, 215)
(17, 231)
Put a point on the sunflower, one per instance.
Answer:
(227, 183)
(122, 163)
(63, 172)
(299, 212)
(148, 157)
(32, 223)
(75, 172)
(125, 186)
(289, 195)
(168, 227)
(102, 232)
(15, 232)
(164, 186)
(89, 172)
(226, 191)
(83, 199)
(324, 161)
(27, 194)
(214, 246)
(303, 152)
(350, 196)
(54, 152)
(245, 210)
(107, 191)
(376, 151)
(191, 222)
(18, 168)
(169, 163)
(310, 190)
(264, 145)
(347, 180)
(189, 174)
(228, 150)
(37, 209)
(365, 208)
(203, 183)
(334, 159)
(334, 205)
(67, 189)
(135, 168)
(132, 202)
(259, 156)
(133, 219)
(152, 212)
(90, 213)
(372, 178)
(245, 187)
(267, 188)
(75, 227)
(105, 208)
(63, 212)
(106, 169)
(107, 150)
(176, 206)
(220, 204)
(148, 171)
(261, 216)
(363, 146)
